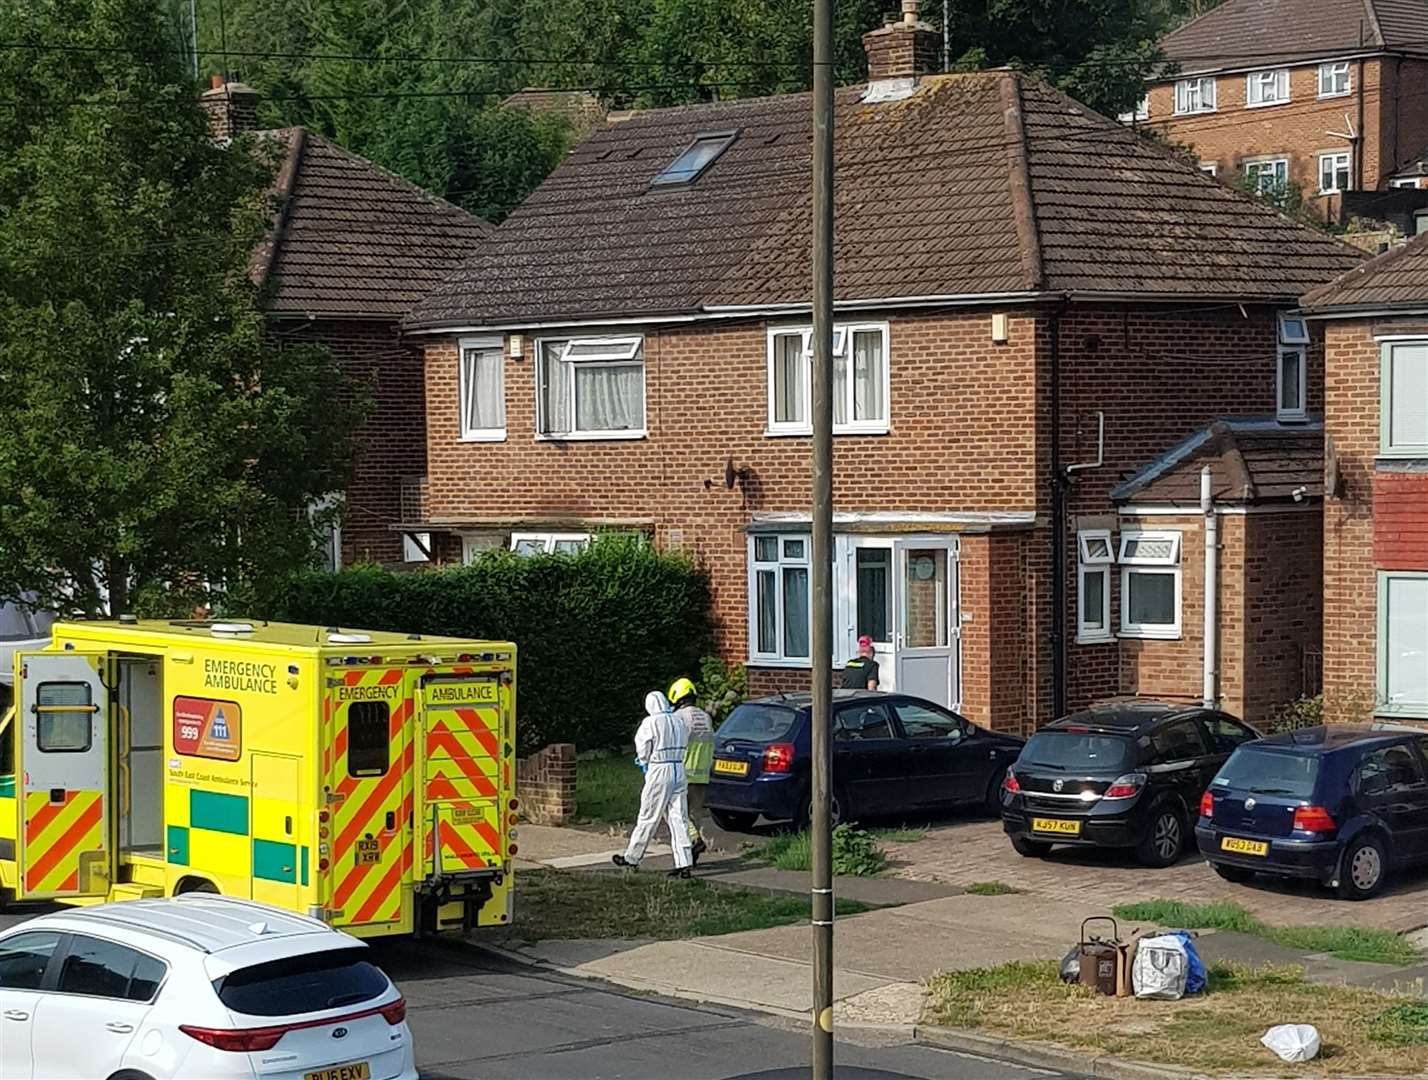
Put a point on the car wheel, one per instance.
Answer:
(1032, 849)
(838, 811)
(1164, 838)
(1364, 870)
(130, 1074)
(1237, 874)
(733, 820)
(994, 791)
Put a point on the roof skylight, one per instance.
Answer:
(694, 159)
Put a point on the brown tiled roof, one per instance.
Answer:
(975, 185)
(1251, 462)
(1395, 279)
(1247, 33)
(353, 240)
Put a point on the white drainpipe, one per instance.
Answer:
(1212, 541)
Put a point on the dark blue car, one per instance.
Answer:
(892, 754)
(1343, 805)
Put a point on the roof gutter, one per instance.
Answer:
(1415, 308)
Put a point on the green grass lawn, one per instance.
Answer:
(578, 904)
(607, 790)
(793, 851)
(991, 888)
(1345, 942)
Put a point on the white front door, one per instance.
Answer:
(866, 595)
(927, 635)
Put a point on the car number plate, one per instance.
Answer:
(358, 1070)
(466, 815)
(368, 852)
(1243, 847)
(731, 768)
(1056, 825)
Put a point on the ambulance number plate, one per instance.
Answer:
(466, 815)
(358, 1070)
(368, 852)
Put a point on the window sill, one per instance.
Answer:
(593, 436)
(1412, 459)
(807, 433)
(1405, 711)
(1292, 417)
(1265, 104)
(1095, 639)
(1194, 112)
(1151, 634)
(483, 436)
(773, 662)
(1335, 94)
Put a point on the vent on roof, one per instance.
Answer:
(349, 639)
(231, 628)
(694, 159)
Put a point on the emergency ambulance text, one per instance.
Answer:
(240, 675)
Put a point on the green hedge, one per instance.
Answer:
(595, 632)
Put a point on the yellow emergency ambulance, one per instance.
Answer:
(313, 768)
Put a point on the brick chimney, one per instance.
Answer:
(903, 49)
(232, 109)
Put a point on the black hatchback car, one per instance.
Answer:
(1126, 775)
(892, 754)
(1343, 804)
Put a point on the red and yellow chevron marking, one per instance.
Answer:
(55, 835)
(468, 844)
(371, 891)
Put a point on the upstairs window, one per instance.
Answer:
(1140, 112)
(1150, 584)
(1267, 87)
(860, 379)
(694, 159)
(1290, 392)
(1334, 172)
(482, 391)
(1403, 399)
(1269, 177)
(591, 388)
(1334, 79)
(1195, 95)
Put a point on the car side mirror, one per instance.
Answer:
(956, 734)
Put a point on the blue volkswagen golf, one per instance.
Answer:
(1346, 805)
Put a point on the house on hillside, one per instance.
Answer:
(353, 249)
(1326, 95)
(1375, 329)
(1033, 306)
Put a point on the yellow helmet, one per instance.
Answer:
(680, 689)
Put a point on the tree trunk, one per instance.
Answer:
(118, 582)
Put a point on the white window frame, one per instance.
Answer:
(1404, 182)
(621, 350)
(480, 344)
(411, 550)
(1410, 709)
(843, 338)
(1387, 447)
(1140, 112)
(1293, 342)
(777, 657)
(1262, 163)
(547, 540)
(1210, 168)
(1090, 565)
(1275, 79)
(1182, 95)
(1168, 566)
(1335, 68)
(1334, 157)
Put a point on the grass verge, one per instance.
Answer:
(856, 852)
(991, 888)
(607, 790)
(1364, 1032)
(1345, 942)
(554, 904)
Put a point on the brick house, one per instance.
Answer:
(1375, 324)
(1322, 94)
(352, 250)
(1031, 304)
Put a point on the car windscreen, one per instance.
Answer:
(758, 723)
(1270, 772)
(1078, 751)
(302, 984)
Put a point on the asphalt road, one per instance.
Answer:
(474, 1015)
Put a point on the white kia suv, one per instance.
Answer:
(201, 987)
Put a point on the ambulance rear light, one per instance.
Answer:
(323, 864)
(324, 816)
(512, 849)
(515, 804)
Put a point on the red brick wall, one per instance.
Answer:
(1170, 670)
(545, 784)
(391, 443)
(1282, 620)
(1299, 128)
(1400, 520)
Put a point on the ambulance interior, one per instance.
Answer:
(138, 726)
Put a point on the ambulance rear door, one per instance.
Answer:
(65, 775)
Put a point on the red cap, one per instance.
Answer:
(865, 642)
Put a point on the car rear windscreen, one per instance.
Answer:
(1073, 751)
(303, 984)
(758, 723)
(1268, 772)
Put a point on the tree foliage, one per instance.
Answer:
(154, 443)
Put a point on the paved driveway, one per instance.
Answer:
(966, 851)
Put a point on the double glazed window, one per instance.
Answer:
(591, 388)
(778, 594)
(1403, 643)
(1334, 79)
(860, 379)
(1267, 87)
(1150, 584)
(1093, 594)
(549, 543)
(1403, 399)
(1334, 172)
(482, 391)
(1269, 177)
(1290, 392)
(1195, 95)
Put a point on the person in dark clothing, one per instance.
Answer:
(861, 672)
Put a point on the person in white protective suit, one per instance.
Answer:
(660, 744)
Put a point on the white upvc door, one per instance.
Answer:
(927, 636)
(865, 591)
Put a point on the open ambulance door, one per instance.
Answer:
(63, 774)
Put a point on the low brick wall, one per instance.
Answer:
(545, 784)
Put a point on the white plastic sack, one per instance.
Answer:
(1293, 1042)
(1160, 968)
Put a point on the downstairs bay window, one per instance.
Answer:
(591, 388)
(779, 599)
(1150, 584)
(860, 379)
